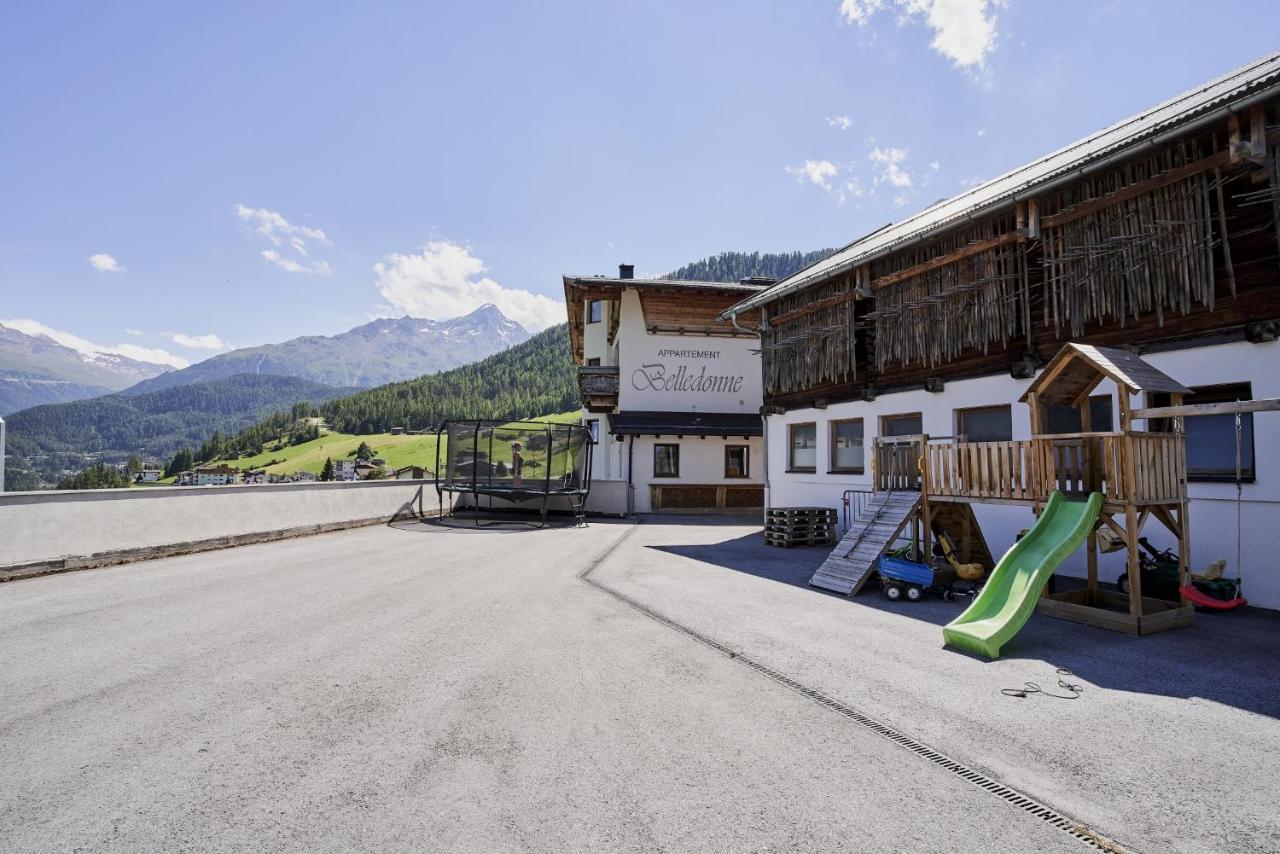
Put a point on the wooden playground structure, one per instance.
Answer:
(1141, 474)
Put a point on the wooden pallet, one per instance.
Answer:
(799, 526)
(854, 558)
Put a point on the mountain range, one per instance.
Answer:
(35, 369)
(48, 441)
(382, 351)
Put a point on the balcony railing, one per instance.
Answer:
(598, 387)
(1140, 467)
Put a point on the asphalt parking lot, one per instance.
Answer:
(445, 688)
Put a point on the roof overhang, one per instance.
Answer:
(743, 424)
(1212, 102)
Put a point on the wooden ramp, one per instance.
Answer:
(849, 566)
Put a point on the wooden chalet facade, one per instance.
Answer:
(1160, 234)
(670, 391)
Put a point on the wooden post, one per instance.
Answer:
(1135, 565)
(1092, 559)
(926, 550)
(1184, 527)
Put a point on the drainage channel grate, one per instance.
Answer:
(1045, 813)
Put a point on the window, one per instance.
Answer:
(804, 447)
(666, 460)
(847, 453)
(593, 362)
(593, 427)
(736, 459)
(984, 424)
(909, 424)
(1060, 418)
(1211, 439)
(595, 311)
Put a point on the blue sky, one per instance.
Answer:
(177, 178)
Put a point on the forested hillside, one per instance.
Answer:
(734, 266)
(59, 438)
(533, 378)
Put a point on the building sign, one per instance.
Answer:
(679, 376)
(701, 374)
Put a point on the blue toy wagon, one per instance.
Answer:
(900, 577)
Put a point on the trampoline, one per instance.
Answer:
(520, 462)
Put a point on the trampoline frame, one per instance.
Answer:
(577, 498)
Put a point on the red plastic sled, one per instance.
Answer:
(1204, 600)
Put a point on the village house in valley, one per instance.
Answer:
(1159, 235)
(670, 391)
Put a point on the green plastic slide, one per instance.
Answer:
(1009, 596)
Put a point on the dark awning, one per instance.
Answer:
(685, 424)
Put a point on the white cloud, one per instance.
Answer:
(889, 169)
(982, 132)
(860, 11)
(289, 265)
(842, 122)
(135, 332)
(208, 341)
(971, 182)
(444, 280)
(289, 240)
(104, 263)
(935, 165)
(964, 31)
(88, 348)
(818, 172)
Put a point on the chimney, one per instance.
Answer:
(626, 271)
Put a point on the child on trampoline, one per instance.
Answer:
(517, 464)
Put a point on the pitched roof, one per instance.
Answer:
(1078, 368)
(1233, 91)
(676, 284)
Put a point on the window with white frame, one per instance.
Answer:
(1211, 439)
(906, 424)
(847, 453)
(595, 311)
(803, 447)
(736, 461)
(984, 424)
(666, 460)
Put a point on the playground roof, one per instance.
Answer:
(1078, 368)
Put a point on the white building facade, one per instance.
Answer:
(673, 406)
(1148, 236)
(839, 462)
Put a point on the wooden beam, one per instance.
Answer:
(1268, 404)
(1134, 190)
(969, 251)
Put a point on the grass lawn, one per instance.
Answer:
(398, 451)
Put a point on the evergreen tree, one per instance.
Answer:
(182, 461)
(364, 452)
(326, 472)
(735, 266)
(99, 476)
(134, 466)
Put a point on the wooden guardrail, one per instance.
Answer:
(1136, 467)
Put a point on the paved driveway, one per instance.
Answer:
(428, 688)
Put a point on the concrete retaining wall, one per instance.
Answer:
(94, 527)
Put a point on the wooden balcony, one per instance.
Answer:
(598, 387)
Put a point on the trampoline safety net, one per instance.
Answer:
(515, 461)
